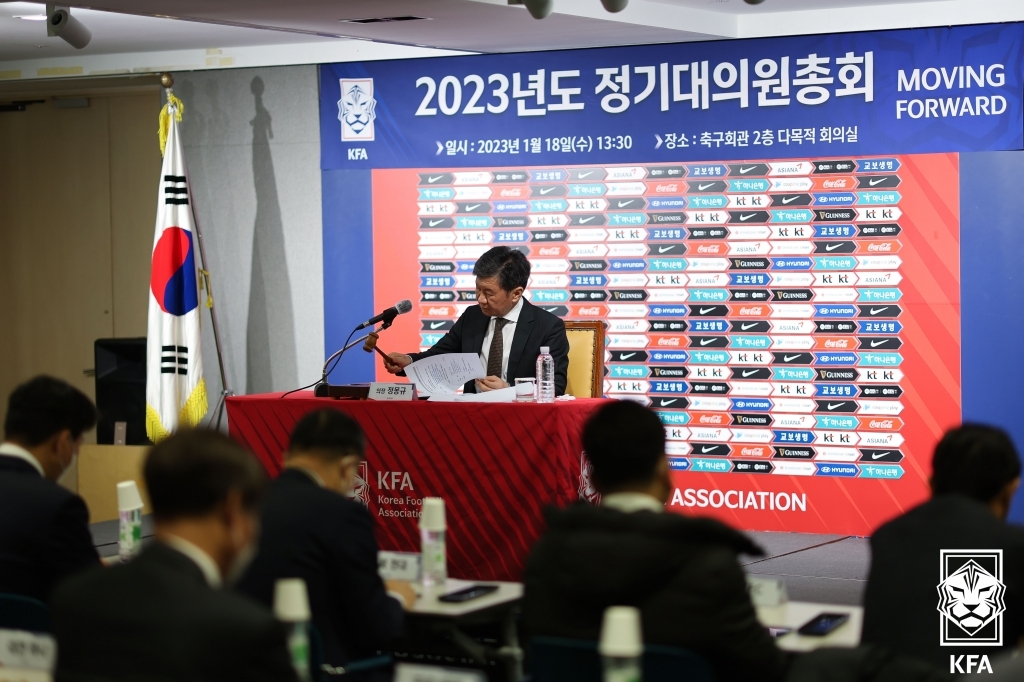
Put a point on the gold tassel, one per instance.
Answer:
(154, 428)
(192, 412)
(165, 118)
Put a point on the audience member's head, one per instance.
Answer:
(625, 443)
(979, 462)
(48, 417)
(205, 488)
(331, 444)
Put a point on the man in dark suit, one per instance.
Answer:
(975, 472)
(44, 528)
(505, 329)
(681, 572)
(162, 616)
(311, 530)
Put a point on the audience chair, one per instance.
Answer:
(23, 613)
(586, 358)
(554, 659)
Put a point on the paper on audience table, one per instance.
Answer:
(501, 395)
(443, 374)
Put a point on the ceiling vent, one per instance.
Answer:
(382, 20)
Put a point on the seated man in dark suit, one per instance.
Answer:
(311, 530)
(44, 528)
(505, 329)
(681, 572)
(975, 472)
(163, 615)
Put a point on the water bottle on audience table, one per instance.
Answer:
(291, 607)
(621, 645)
(129, 512)
(545, 376)
(433, 555)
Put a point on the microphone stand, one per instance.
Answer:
(323, 388)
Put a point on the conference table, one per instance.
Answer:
(496, 465)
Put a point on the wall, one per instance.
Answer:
(252, 148)
(76, 227)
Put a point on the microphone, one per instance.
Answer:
(389, 315)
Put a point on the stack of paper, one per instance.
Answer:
(439, 376)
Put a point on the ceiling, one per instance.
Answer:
(143, 26)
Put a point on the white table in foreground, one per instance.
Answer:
(795, 613)
(429, 605)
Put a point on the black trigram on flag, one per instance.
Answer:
(174, 360)
(175, 189)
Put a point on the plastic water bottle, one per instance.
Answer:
(129, 512)
(433, 555)
(291, 607)
(621, 645)
(545, 376)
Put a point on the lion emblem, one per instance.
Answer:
(356, 109)
(587, 490)
(971, 597)
(361, 490)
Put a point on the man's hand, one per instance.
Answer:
(396, 362)
(490, 384)
(403, 589)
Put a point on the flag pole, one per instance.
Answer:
(167, 80)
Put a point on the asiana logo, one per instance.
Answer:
(971, 592)
(357, 109)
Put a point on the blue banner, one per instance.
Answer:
(841, 95)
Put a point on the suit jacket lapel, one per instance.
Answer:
(524, 326)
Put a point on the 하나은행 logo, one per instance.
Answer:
(356, 109)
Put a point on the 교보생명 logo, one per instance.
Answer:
(971, 597)
(356, 109)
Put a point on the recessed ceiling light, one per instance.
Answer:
(31, 17)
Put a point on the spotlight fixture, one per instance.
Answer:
(539, 9)
(753, 2)
(615, 5)
(61, 24)
(30, 17)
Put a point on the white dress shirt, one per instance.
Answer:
(12, 450)
(632, 502)
(200, 558)
(507, 332)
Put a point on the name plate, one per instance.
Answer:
(766, 591)
(411, 672)
(383, 391)
(27, 651)
(399, 565)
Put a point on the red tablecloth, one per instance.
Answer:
(496, 466)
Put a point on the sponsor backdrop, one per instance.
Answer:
(771, 230)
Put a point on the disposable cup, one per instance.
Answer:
(432, 517)
(128, 497)
(620, 633)
(291, 602)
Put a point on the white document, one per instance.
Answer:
(501, 395)
(445, 373)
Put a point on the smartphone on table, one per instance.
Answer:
(468, 593)
(823, 624)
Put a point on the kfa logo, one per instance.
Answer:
(394, 480)
(361, 488)
(356, 109)
(586, 490)
(971, 594)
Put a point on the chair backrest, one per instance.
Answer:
(23, 613)
(586, 358)
(556, 659)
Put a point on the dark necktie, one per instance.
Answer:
(497, 349)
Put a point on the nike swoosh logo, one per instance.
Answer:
(832, 406)
(583, 175)
(435, 179)
(548, 189)
(436, 222)
(878, 455)
(747, 217)
(708, 448)
(872, 183)
(584, 221)
(665, 249)
(832, 247)
(790, 358)
(744, 171)
(705, 311)
(876, 344)
(623, 204)
(745, 327)
(435, 325)
(666, 403)
(474, 206)
(705, 342)
(875, 311)
(626, 356)
(749, 373)
(790, 200)
(702, 187)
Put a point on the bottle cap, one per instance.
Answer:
(620, 633)
(545, 349)
(291, 603)
(433, 514)
(128, 497)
